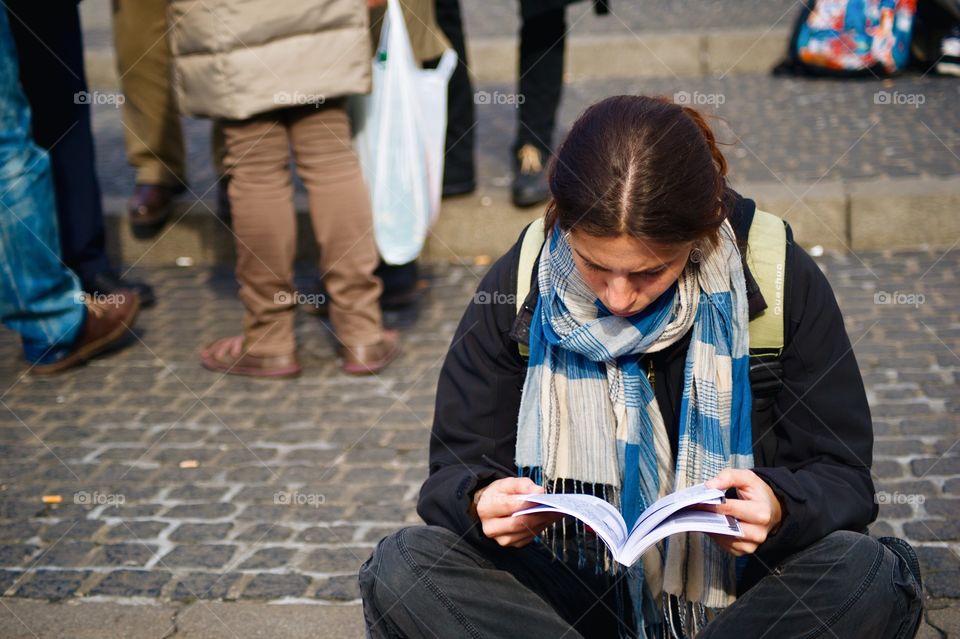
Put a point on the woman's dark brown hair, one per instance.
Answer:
(642, 166)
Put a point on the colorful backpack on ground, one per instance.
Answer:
(854, 37)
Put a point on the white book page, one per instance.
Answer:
(669, 504)
(684, 521)
(593, 511)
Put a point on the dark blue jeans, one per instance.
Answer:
(50, 46)
(39, 296)
(425, 581)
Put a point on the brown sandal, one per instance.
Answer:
(373, 358)
(226, 355)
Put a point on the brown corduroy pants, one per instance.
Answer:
(264, 221)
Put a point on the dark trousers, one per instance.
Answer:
(542, 40)
(540, 82)
(50, 50)
(426, 581)
(459, 165)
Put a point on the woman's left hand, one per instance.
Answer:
(756, 507)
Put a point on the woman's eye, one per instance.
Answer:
(649, 275)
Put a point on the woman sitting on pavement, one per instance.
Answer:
(638, 328)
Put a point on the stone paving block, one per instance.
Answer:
(947, 508)
(943, 584)
(201, 511)
(201, 556)
(19, 509)
(194, 533)
(65, 553)
(7, 577)
(326, 534)
(136, 530)
(204, 585)
(134, 554)
(265, 533)
(267, 558)
(16, 554)
(934, 559)
(383, 512)
(384, 494)
(274, 586)
(316, 514)
(264, 512)
(936, 466)
(339, 588)
(370, 475)
(51, 584)
(132, 583)
(933, 530)
(347, 559)
(194, 492)
(18, 530)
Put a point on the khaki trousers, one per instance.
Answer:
(264, 220)
(151, 121)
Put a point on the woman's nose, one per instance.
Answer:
(620, 295)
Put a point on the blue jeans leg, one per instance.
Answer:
(39, 297)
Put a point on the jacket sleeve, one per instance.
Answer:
(478, 398)
(821, 469)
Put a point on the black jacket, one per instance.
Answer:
(820, 468)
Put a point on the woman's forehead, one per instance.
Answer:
(625, 252)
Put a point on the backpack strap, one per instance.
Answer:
(530, 248)
(767, 259)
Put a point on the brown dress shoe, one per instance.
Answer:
(226, 355)
(149, 208)
(366, 360)
(109, 317)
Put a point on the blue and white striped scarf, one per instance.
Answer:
(589, 414)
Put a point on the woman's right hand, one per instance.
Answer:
(495, 505)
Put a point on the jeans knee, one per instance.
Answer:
(844, 547)
(398, 562)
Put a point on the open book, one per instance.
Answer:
(667, 516)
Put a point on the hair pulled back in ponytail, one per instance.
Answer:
(642, 166)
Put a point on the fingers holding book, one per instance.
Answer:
(494, 505)
(756, 507)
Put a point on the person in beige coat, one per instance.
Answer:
(276, 73)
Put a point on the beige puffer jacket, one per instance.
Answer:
(236, 58)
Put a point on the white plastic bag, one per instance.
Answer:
(400, 135)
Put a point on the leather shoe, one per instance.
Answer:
(227, 355)
(108, 319)
(530, 178)
(149, 208)
(366, 360)
(109, 283)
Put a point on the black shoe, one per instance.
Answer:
(530, 177)
(458, 188)
(107, 283)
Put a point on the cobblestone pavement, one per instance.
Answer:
(777, 129)
(179, 484)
